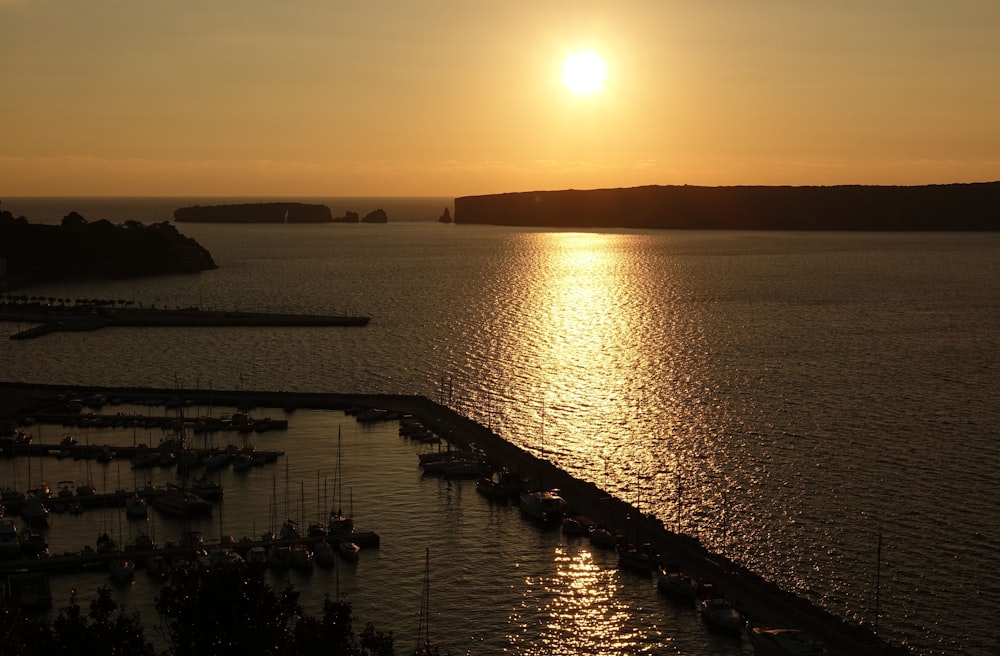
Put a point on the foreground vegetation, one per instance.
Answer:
(211, 613)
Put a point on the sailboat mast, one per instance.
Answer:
(878, 577)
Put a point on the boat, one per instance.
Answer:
(182, 504)
(323, 554)
(256, 558)
(136, 507)
(10, 542)
(641, 560)
(65, 489)
(106, 544)
(425, 646)
(301, 557)
(34, 545)
(348, 550)
(671, 580)
(783, 642)
(35, 512)
(279, 557)
(544, 505)
(503, 488)
(28, 590)
(121, 570)
(720, 614)
(602, 538)
(339, 526)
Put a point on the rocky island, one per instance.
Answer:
(281, 212)
(255, 213)
(77, 248)
(959, 207)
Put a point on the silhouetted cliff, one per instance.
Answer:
(255, 213)
(80, 249)
(849, 207)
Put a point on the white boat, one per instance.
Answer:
(720, 614)
(544, 505)
(783, 642)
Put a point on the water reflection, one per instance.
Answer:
(580, 607)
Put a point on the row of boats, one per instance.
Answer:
(547, 506)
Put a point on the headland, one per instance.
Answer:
(78, 248)
(947, 207)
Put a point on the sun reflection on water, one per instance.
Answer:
(583, 612)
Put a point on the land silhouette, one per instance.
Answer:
(960, 207)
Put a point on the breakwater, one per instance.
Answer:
(759, 599)
(55, 318)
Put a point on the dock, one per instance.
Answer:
(65, 318)
(759, 599)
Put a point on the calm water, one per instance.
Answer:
(786, 397)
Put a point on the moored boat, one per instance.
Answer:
(720, 614)
(783, 642)
(544, 505)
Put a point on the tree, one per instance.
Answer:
(108, 631)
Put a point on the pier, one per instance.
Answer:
(63, 318)
(759, 600)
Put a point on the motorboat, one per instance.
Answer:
(602, 538)
(720, 614)
(783, 642)
(671, 580)
(544, 505)
(641, 560)
(177, 503)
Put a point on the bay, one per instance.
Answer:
(785, 397)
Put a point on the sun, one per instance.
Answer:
(583, 72)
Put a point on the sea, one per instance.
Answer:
(819, 406)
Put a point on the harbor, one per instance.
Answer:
(756, 598)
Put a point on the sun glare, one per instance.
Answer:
(583, 72)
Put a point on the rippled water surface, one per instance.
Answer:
(786, 397)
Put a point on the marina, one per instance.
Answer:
(592, 507)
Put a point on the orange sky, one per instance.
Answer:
(452, 98)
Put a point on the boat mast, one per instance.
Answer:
(878, 576)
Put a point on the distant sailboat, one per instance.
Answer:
(425, 647)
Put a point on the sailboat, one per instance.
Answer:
(340, 527)
(425, 647)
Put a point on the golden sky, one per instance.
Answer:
(459, 97)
